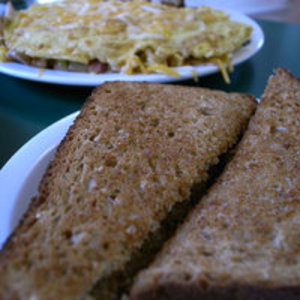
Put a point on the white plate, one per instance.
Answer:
(20, 176)
(85, 79)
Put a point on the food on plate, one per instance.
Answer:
(127, 37)
(242, 239)
(120, 178)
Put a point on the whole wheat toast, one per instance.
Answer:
(242, 241)
(133, 153)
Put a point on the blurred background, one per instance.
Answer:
(275, 10)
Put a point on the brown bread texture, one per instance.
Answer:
(242, 241)
(135, 151)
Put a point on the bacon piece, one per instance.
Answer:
(97, 67)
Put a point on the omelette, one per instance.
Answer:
(113, 36)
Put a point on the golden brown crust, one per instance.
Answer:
(243, 237)
(134, 151)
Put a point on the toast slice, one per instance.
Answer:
(132, 156)
(242, 241)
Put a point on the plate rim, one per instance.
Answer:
(18, 70)
(13, 178)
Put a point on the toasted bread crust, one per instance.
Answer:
(134, 151)
(242, 240)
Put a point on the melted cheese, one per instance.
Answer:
(130, 37)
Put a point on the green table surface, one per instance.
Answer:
(28, 107)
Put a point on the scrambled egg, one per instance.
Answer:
(130, 37)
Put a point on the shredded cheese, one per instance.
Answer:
(163, 69)
(130, 36)
(222, 69)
